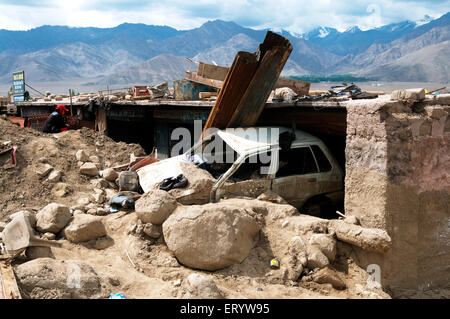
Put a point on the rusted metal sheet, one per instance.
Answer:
(237, 80)
(273, 53)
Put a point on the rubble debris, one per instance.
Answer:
(109, 174)
(329, 276)
(316, 258)
(29, 216)
(272, 197)
(155, 206)
(202, 287)
(125, 199)
(129, 181)
(191, 233)
(370, 239)
(43, 170)
(89, 169)
(39, 252)
(46, 278)
(326, 243)
(410, 95)
(297, 260)
(52, 218)
(8, 283)
(153, 231)
(19, 235)
(54, 176)
(85, 227)
(81, 156)
(61, 190)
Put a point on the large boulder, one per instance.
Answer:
(85, 227)
(155, 206)
(210, 236)
(47, 278)
(202, 287)
(52, 218)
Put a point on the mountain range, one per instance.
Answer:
(136, 54)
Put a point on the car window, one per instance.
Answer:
(297, 161)
(322, 160)
(252, 168)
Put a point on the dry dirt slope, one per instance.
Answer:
(138, 266)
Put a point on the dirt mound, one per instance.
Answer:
(22, 187)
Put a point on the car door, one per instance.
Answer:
(297, 177)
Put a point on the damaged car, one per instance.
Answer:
(249, 161)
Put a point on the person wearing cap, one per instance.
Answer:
(55, 121)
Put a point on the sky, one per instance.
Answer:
(296, 16)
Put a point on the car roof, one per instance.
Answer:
(244, 140)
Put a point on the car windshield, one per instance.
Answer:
(216, 156)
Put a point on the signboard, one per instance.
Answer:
(19, 86)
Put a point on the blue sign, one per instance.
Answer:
(19, 98)
(19, 86)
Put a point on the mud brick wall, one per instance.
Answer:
(398, 179)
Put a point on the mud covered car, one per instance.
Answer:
(247, 162)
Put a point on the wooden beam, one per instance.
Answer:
(8, 283)
(218, 73)
(194, 77)
(236, 82)
(273, 53)
(213, 72)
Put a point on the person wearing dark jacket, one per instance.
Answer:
(55, 121)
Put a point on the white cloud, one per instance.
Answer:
(293, 15)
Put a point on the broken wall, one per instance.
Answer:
(398, 179)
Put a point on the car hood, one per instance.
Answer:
(155, 173)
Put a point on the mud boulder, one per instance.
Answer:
(30, 216)
(81, 156)
(110, 174)
(47, 278)
(155, 206)
(202, 287)
(326, 243)
(84, 227)
(210, 236)
(52, 218)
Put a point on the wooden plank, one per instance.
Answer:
(194, 77)
(274, 52)
(205, 95)
(8, 283)
(213, 72)
(237, 80)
